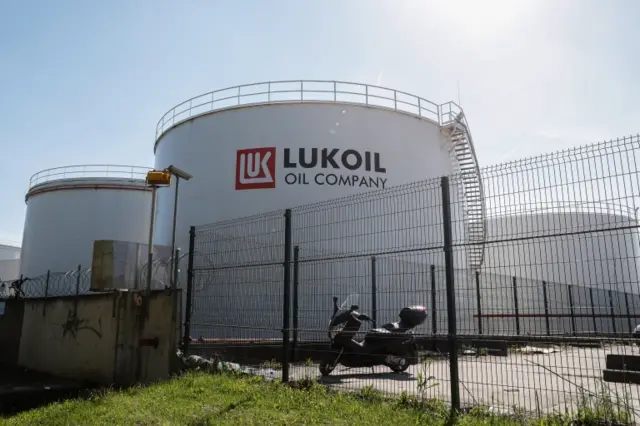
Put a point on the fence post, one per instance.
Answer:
(613, 312)
(515, 305)
(75, 299)
(478, 302)
(46, 292)
(593, 312)
(626, 302)
(374, 292)
(451, 294)
(78, 280)
(296, 282)
(46, 283)
(286, 311)
(545, 296)
(174, 286)
(186, 338)
(572, 310)
(434, 307)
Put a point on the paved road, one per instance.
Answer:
(541, 383)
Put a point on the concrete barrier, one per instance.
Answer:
(10, 331)
(103, 338)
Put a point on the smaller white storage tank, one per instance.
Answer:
(9, 252)
(9, 262)
(574, 267)
(583, 244)
(68, 208)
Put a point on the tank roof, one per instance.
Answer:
(88, 171)
(306, 91)
(560, 207)
(10, 246)
(88, 176)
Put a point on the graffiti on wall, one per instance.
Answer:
(73, 325)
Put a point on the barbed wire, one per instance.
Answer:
(78, 281)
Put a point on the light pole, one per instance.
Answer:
(151, 227)
(179, 174)
(155, 178)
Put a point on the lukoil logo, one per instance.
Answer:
(256, 168)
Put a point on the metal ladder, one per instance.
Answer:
(466, 165)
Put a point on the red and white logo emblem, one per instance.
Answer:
(256, 168)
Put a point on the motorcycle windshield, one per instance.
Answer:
(336, 325)
(352, 299)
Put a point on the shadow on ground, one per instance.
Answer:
(22, 390)
(338, 378)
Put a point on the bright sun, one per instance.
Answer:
(479, 18)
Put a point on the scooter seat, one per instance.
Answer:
(391, 326)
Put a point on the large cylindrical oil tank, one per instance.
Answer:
(574, 264)
(271, 146)
(68, 208)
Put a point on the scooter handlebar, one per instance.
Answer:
(365, 317)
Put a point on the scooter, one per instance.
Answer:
(392, 345)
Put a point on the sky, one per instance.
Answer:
(86, 82)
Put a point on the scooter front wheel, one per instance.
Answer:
(326, 368)
(397, 364)
(400, 368)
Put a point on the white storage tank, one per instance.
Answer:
(584, 256)
(9, 252)
(9, 262)
(583, 244)
(68, 208)
(270, 146)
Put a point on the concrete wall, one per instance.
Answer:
(10, 331)
(100, 338)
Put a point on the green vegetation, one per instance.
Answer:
(273, 364)
(228, 399)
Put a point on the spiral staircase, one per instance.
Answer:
(454, 126)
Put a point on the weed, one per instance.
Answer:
(273, 365)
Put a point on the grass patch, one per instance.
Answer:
(226, 399)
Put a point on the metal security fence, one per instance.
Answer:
(545, 324)
(51, 284)
(78, 281)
